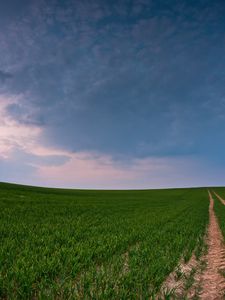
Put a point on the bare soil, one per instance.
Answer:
(212, 280)
(175, 286)
(206, 275)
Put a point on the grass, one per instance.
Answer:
(75, 244)
(220, 209)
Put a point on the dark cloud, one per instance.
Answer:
(4, 76)
(122, 77)
(23, 114)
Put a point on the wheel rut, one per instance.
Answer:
(220, 198)
(212, 280)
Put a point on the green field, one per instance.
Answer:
(76, 244)
(220, 209)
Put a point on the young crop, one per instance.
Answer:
(220, 209)
(73, 244)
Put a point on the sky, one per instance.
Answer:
(123, 94)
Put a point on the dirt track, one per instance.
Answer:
(209, 280)
(212, 281)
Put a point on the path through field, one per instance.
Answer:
(213, 282)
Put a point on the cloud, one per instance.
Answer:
(4, 76)
(84, 170)
(12, 133)
(114, 81)
(24, 159)
(20, 141)
(94, 74)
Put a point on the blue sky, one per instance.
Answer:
(112, 94)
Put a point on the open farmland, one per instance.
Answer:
(75, 244)
(220, 208)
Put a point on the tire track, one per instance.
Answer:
(220, 198)
(212, 281)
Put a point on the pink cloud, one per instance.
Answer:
(20, 143)
(90, 171)
(12, 134)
